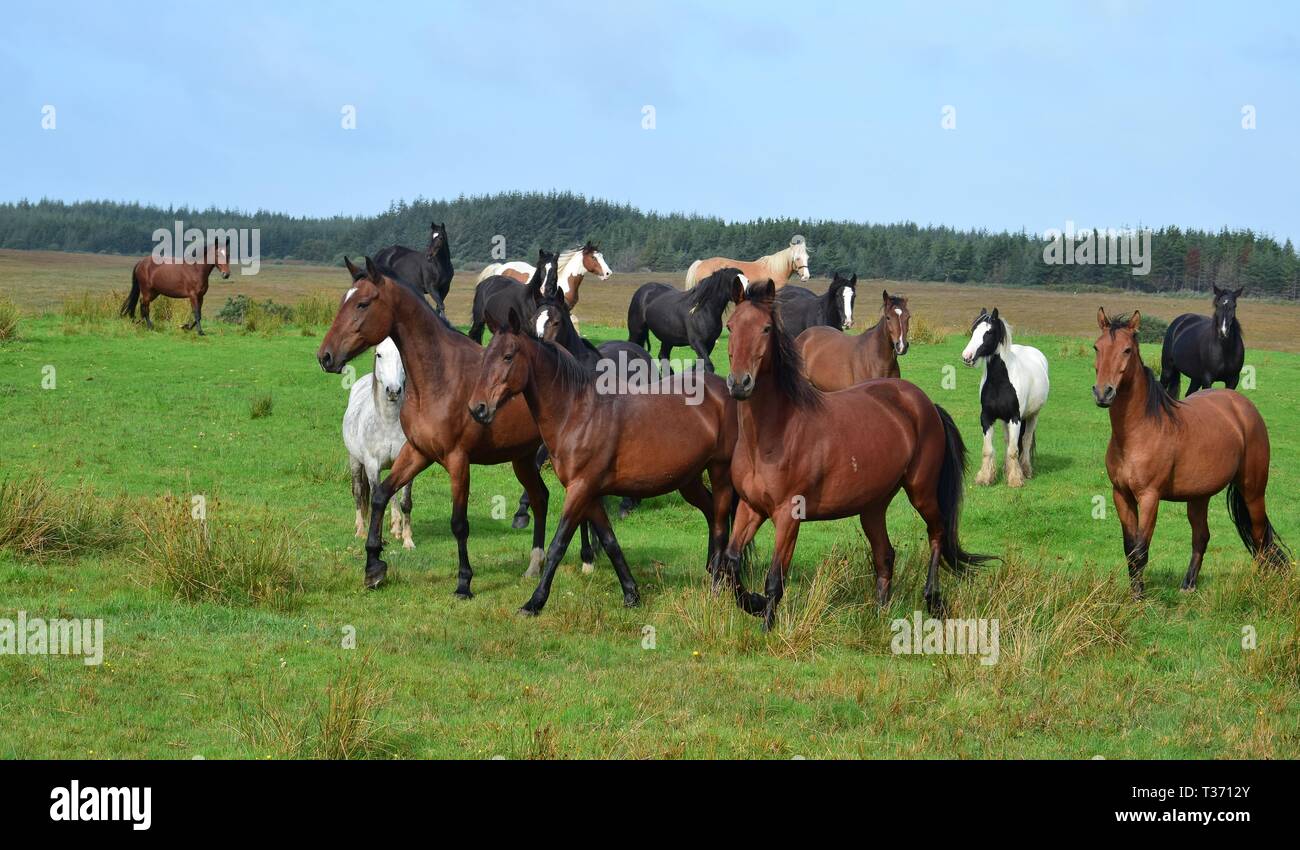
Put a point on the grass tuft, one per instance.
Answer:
(924, 332)
(8, 319)
(38, 521)
(260, 406)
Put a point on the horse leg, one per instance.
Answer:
(409, 463)
(576, 503)
(1126, 508)
(600, 522)
(190, 324)
(988, 468)
(1015, 475)
(1198, 517)
(626, 506)
(1231, 381)
(1028, 443)
(699, 497)
(458, 471)
(1193, 384)
(664, 351)
(360, 494)
(704, 354)
(407, 542)
(585, 552)
(538, 499)
(743, 529)
(521, 515)
(882, 551)
(145, 298)
(198, 314)
(787, 534)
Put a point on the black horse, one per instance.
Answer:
(430, 271)
(692, 318)
(496, 296)
(801, 309)
(1204, 349)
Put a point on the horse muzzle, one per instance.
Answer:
(900, 347)
(329, 362)
(969, 361)
(1106, 397)
(740, 389)
(482, 414)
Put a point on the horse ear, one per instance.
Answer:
(853, 281)
(994, 314)
(352, 270)
(1135, 323)
(1102, 321)
(372, 272)
(513, 322)
(762, 293)
(1237, 293)
(884, 294)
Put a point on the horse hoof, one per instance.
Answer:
(624, 513)
(463, 593)
(525, 611)
(520, 521)
(588, 567)
(408, 544)
(375, 574)
(631, 600)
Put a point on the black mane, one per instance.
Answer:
(713, 288)
(571, 375)
(787, 365)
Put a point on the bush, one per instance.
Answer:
(318, 310)
(266, 316)
(8, 319)
(1152, 330)
(38, 521)
(922, 332)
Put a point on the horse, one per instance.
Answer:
(1162, 449)
(573, 266)
(834, 361)
(601, 445)
(431, 271)
(372, 433)
(437, 304)
(1013, 389)
(805, 455)
(692, 317)
(802, 308)
(497, 295)
(175, 278)
(441, 363)
(1204, 349)
(778, 267)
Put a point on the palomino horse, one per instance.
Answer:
(1013, 389)
(441, 365)
(372, 433)
(805, 455)
(152, 277)
(496, 296)
(1165, 450)
(778, 267)
(573, 265)
(601, 445)
(431, 270)
(835, 361)
(802, 308)
(692, 318)
(1204, 349)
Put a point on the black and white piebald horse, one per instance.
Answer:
(1013, 389)
(801, 308)
(1205, 349)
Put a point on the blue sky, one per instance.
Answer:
(1103, 113)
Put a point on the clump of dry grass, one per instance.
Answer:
(924, 332)
(88, 307)
(38, 521)
(260, 406)
(316, 310)
(8, 319)
(1276, 657)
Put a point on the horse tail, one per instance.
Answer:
(476, 317)
(952, 484)
(1274, 551)
(691, 272)
(128, 306)
(637, 332)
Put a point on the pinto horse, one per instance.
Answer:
(496, 296)
(1179, 451)
(806, 455)
(152, 277)
(778, 267)
(574, 265)
(835, 361)
(692, 318)
(802, 308)
(1204, 349)
(431, 270)
(441, 364)
(601, 445)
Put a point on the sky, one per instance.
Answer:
(993, 115)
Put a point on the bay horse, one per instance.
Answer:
(1162, 449)
(802, 308)
(834, 361)
(176, 278)
(804, 455)
(497, 295)
(1204, 349)
(431, 270)
(1013, 388)
(778, 267)
(692, 317)
(574, 265)
(611, 443)
(441, 365)
(372, 433)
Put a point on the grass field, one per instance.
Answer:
(253, 664)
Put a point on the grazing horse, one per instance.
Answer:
(441, 365)
(431, 271)
(778, 267)
(1204, 349)
(372, 433)
(573, 266)
(174, 278)
(692, 318)
(1013, 388)
(802, 309)
(807, 455)
(833, 360)
(496, 296)
(601, 445)
(1179, 451)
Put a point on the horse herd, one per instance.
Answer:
(810, 424)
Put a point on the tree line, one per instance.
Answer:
(632, 240)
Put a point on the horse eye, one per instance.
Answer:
(767, 329)
(361, 305)
(508, 357)
(1128, 351)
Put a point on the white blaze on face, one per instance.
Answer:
(541, 321)
(801, 261)
(848, 306)
(902, 336)
(744, 282)
(351, 292)
(388, 366)
(605, 270)
(976, 340)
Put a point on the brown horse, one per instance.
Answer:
(834, 361)
(441, 365)
(806, 455)
(1162, 449)
(174, 278)
(778, 267)
(607, 441)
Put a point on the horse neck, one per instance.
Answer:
(766, 415)
(442, 262)
(424, 343)
(1128, 411)
(877, 337)
(550, 410)
(780, 266)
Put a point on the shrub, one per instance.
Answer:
(8, 319)
(923, 332)
(38, 521)
(1152, 330)
(318, 310)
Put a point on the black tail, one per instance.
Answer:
(636, 327)
(952, 484)
(476, 317)
(128, 306)
(1275, 553)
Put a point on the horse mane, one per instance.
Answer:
(708, 289)
(1001, 327)
(1160, 404)
(570, 374)
(556, 302)
(787, 365)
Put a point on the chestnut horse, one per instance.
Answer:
(174, 278)
(834, 361)
(606, 441)
(441, 365)
(1166, 450)
(573, 267)
(807, 455)
(778, 267)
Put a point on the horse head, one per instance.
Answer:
(594, 262)
(799, 257)
(437, 239)
(506, 370)
(897, 317)
(365, 317)
(843, 293)
(1116, 348)
(1225, 311)
(545, 274)
(987, 333)
(389, 372)
(221, 257)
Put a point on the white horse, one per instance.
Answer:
(573, 264)
(372, 432)
(1013, 388)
